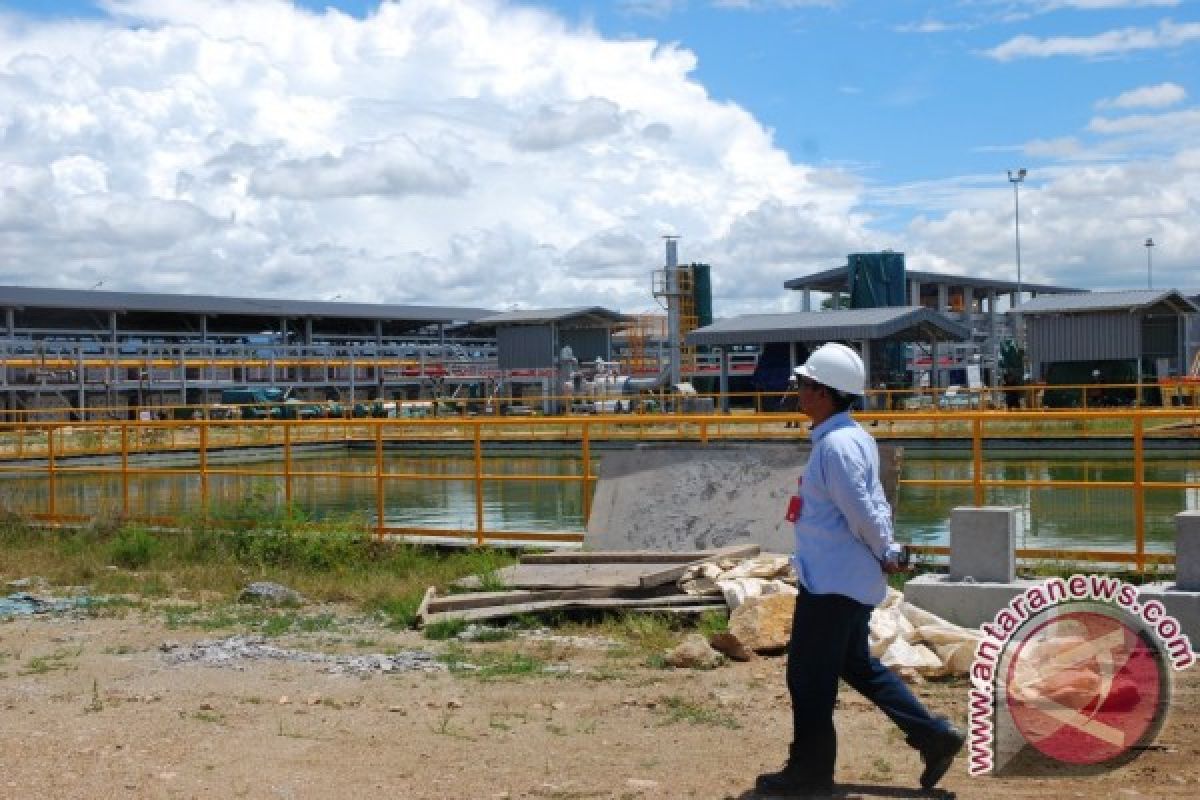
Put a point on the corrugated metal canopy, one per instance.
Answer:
(905, 323)
(1129, 300)
(601, 317)
(82, 299)
(834, 280)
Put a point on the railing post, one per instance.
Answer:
(1139, 490)
(479, 538)
(125, 468)
(379, 478)
(287, 462)
(586, 472)
(703, 431)
(204, 467)
(977, 457)
(51, 505)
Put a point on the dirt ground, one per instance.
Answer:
(91, 707)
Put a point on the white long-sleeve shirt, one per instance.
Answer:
(844, 531)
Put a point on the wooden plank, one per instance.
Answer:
(569, 576)
(595, 603)
(458, 602)
(615, 557)
(678, 610)
(670, 574)
(423, 609)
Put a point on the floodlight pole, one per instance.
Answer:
(1016, 179)
(1149, 264)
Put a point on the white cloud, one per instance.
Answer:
(550, 128)
(476, 152)
(1169, 123)
(1060, 148)
(765, 5)
(483, 153)
(1104, 5)
(928, 26)
(397, 167)
(1158, 96)
(1168, 34)
(650, 8)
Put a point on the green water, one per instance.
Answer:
(1049, 518)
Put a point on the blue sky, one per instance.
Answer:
(567, 137)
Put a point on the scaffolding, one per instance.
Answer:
(678, 286)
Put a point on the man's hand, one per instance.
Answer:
(897, 560)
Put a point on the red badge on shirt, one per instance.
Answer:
(795, 504)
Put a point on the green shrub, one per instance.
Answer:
(134, 548)
(445, 629)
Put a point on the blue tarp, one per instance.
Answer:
(21, 604)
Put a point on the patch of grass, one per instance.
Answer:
(278, 625)
(225, 547)
(444, 629)
(502, 720)
(58, 660)
(646, 635)
(400, 612)
(444, 728)
(679, 709)
(134, 547)
(315, 623)
(711, 622)
(494, 666)
(96, 705)
(881, 768)
(493, 635)
(491, 665)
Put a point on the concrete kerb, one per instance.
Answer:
(970, 602)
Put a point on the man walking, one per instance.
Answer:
(844, 546)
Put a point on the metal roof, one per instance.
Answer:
(1129, 300)
(908, 323)
(19, 297)
(597, 314)
(834, 280)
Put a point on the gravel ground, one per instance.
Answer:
(126, 706)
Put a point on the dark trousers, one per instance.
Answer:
(829, 641)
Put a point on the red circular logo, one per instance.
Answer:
(1084, 687)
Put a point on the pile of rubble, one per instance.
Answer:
(234, 651)
(761, 595)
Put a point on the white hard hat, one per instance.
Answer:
(836, 366)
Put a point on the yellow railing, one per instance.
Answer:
(200, 450)
(945, 400)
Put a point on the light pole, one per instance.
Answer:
(1149, 264)
(1016, 179)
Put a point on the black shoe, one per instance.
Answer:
(789, 783)
(939, 755)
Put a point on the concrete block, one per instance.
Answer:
(983, 543)
(1183, 606)
(966, 604)
(1187, 551)
(972, 604)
